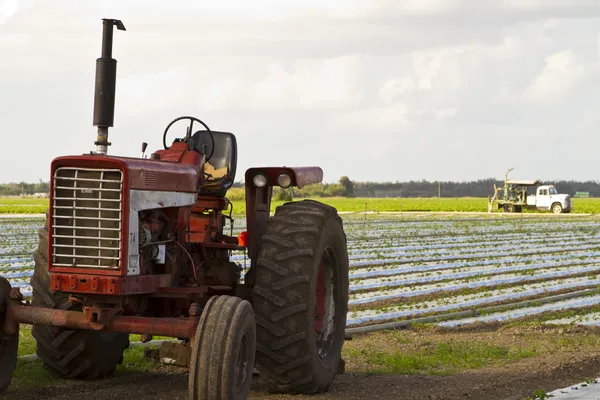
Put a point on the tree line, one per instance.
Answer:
(24, 188)
(345, 187)
(423, 188)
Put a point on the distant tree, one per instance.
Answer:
(348, 186)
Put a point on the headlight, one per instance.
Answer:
(260, 180)
(284, 180)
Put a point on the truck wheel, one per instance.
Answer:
(557, 208)
(301, 298)
(74, 354)
(508, 208)
(223, 351)
(9, 344)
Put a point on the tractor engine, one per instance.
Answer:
(122, 227)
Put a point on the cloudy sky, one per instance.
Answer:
(376, 90)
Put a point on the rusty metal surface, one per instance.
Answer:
(307, 175)
(108, 285)
(301, 176)
(172, 327)
(191, 293)
(258, 205)
(258, 199)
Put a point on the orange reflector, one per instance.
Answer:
(243, 239)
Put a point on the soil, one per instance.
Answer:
(559, 367)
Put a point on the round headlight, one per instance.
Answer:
(284, 180)
(260, 180)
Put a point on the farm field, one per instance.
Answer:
(404, 268)
(453, 273)
(357, 205)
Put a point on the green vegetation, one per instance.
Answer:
(441, 358)
(19, 188)
(17, 205)
(27, 342)
(427, 350)
(31, 373)
(423, 349)
(343, 204)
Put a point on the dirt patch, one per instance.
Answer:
(551, 358)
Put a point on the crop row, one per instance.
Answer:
(423, 266)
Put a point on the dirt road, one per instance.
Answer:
(489, 363)
(513, 382)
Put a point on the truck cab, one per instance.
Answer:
(546, 197)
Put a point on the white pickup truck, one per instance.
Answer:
(548, 198)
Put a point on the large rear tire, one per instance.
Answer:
(73, 354)
(9, 344)
(300, 298)
(223, 351)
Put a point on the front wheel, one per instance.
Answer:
(300, 298)
(223, 351)
(557, 208)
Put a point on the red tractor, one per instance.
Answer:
(139, 246)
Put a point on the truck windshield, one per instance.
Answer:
(553, 190)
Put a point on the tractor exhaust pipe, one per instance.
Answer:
(104, 94)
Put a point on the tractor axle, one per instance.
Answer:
(91, 319)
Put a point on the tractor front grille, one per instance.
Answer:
(86, 224)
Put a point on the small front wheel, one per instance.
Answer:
(557, 208)
(223, 351)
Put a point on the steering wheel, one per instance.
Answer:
(189, 133)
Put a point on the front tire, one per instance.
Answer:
(557, 208)
(301, 298)
(223, 351)
(73, 354)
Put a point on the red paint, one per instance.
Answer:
(184, 328)
(183, 218)
(206, 222)
(258, 200)
(205, 203)
(243, 238)
(165, 175)
(74, 282)
(92, 161)
(301, 176)
(320, 296)
(148, 174)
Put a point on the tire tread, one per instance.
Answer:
(283, 276)
(69, 353)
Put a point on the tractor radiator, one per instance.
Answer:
(86, 218)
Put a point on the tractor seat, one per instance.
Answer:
(223, 163)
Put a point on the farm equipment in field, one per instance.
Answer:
(139, 246)
(513, 197)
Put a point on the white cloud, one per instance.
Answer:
(562, 70)
(422, 87)
(329, 84)
(8, 8)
